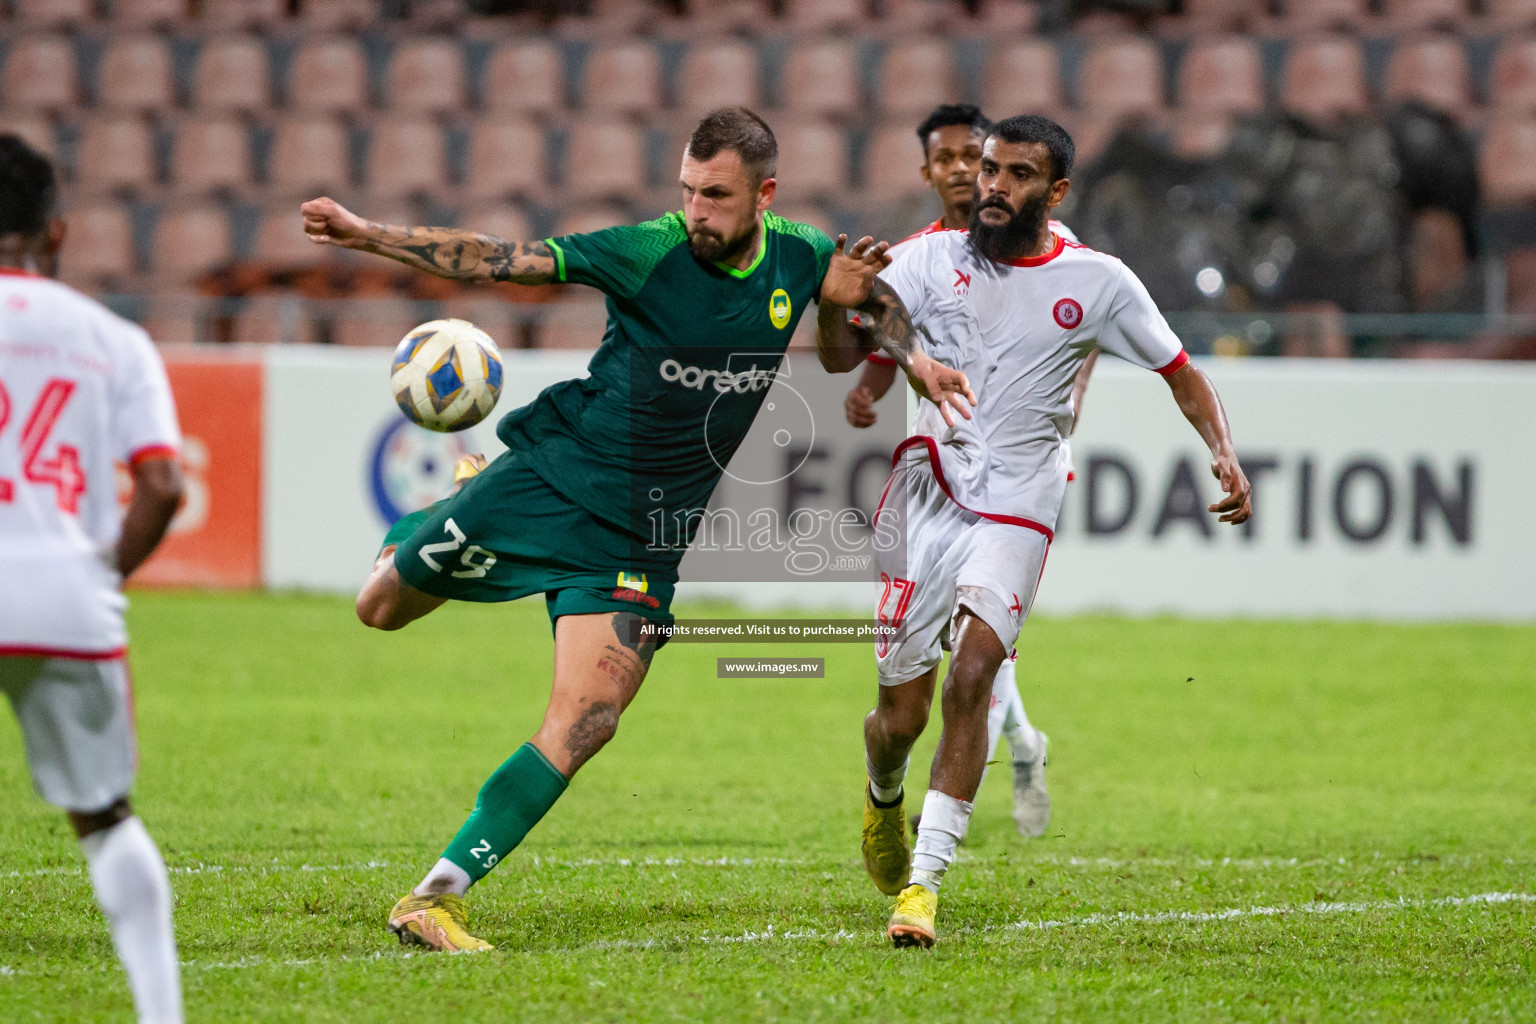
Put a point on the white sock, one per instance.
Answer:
(886, 786)
(943, 826)
(134, 894)
(1025, 742)
(445, 876)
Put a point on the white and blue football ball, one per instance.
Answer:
(446, 375)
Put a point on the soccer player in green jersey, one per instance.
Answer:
(701, 306)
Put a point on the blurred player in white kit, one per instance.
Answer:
(1018, 309)
(951, 137)
(80, 391)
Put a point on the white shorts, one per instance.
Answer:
(77, 720)
(950, 559)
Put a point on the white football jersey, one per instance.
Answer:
(80, 390)
(1020, 331)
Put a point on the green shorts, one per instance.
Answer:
(508, 534)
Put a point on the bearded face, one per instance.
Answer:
(708, 244)
(1018, 235)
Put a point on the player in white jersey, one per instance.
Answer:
(951, 136)
(1017, 309)
(81, 390)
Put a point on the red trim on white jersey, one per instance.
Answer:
(938, 475)
(1042, 259)
(151, 451)
(1175, 365)
(56, 652)
(18, 272)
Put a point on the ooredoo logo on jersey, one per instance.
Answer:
(695, 377)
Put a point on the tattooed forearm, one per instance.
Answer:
(886, 317)
(464, 255)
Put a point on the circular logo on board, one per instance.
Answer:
(1068, 313)
(411, 468)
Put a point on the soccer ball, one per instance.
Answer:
(446, 375)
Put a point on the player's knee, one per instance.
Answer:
(377, 611)
(597, 724)
(902, 723)
(968, 689)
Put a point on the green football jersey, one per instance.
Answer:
(690, 352)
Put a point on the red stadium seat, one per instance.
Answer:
(1433, 70)
(135, 74)
(406, 156)
(822, 78)
(1122, 76)
(1404, 15)
(233, 74)
(1199, 135)
(499, 220)
(244, 13)
(525, 77)
(116, 151)
(813, 160)
(32, 129)
(605, 160)
(338, 15)
(329, 75)
(892, 164)
(39, 74)
(1514, 75)
(622, 79)
(1511, 14)
(309, 154)
(212, 153)
(1507, 163)
(595, 217)
(427, 76)
(54, 13)
(100, 247)
(281, 242)
(148, 13)
(916, 77)
(1313, 14)
(1223, 76)
(506, 158)
(1325, 78)
(376, 322)
(820, 15)
(1021, 78)
(190, 241)
(721, 74)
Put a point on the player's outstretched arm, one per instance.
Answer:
(892, 327)
(447, 252)
(875, 380)
(157, 490)
(1201, 405)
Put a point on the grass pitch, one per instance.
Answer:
(1253, 821)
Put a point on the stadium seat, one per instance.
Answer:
(808, 213)
(233, 74)
(338, 15)
(135, 74)
(244, 13)
(190, 241)
(1324, 78)
(328, 75)
(1222, 76)
(500, 220)
(54, 13)
(622, 79)
(1023, 77)
(1404, 15)
(33, 129)
(822, 78)
(212, 152)
(1514, 75)
(1218, 16)
(720, 74)
(1511, 14)
(270, 317)
(1314, 14)
(100, 249)
(309, 153)
(605, 160)
(1433, 70)
(821, 15)
(406, 155)
(116, 151)
(506, 158)
(427, 76)
(525, 77)
(1199, 135)
(1122, 76)
(916, 77)
(148, 13)
(583, 219)
(1507, 163)
(39, 74)
(891, 164)
(813, 160)
(280, 239)
(377, 322)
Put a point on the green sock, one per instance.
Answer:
(408, 524)
(510, 803)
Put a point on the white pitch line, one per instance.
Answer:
(772, 934)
